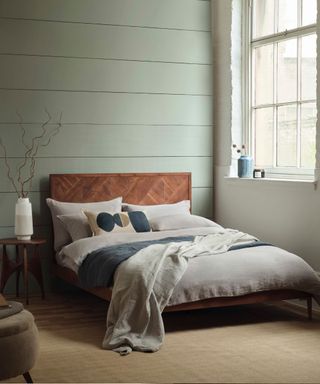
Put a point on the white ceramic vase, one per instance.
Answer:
(23, 227)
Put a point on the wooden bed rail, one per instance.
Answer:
(252, 298)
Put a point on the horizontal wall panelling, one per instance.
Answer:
(118, 140)
(106, 108)
(176, 14)
(44, 73)
(132, 79)
(200, 167)
(103, 41)
(202, 201)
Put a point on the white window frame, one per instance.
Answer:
(247, 85)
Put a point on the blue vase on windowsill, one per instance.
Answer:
(245, 166)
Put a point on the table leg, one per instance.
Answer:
(8, 267)
(27, 377)
(25, 273)
(18, 271)
(4, 267)
(35, 268)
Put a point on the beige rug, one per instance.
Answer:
(251, 344)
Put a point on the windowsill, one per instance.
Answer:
(269, 180)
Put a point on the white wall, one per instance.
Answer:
(286, 214)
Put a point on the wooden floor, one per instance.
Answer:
(251, 344)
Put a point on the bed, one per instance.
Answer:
(145, 189)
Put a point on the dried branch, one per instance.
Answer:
(54, 132)
(28, 179)
(22, 130)
(29, 160)
(8, 167)
(32, 156)
(30, 150)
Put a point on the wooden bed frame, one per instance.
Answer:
(146, 188)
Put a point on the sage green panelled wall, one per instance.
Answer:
(132, 78)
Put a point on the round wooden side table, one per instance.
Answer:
(25, 262)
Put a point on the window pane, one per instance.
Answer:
(263, 17)
(288, 14)
(263, 87)
(283, 84)
(308, 67)
(287, 70)
(287, 136)
(309, 12)
(264, 137)
(308, 134)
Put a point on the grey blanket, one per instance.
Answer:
(144, 283)
(98, 268)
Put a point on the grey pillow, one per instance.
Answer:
(77, 225)
(180, 221)
(57, 208)
(153, 211)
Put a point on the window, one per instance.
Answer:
(281, 91)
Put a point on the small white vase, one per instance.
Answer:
(23, 227)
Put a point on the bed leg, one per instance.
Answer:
(309, 306)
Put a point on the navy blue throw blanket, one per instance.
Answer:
(98, 268)
(256, 243)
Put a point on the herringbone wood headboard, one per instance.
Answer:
(135, 188)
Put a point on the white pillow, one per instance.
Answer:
(180, 221)
(77, 225)
(153, 211)
(61, 235)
